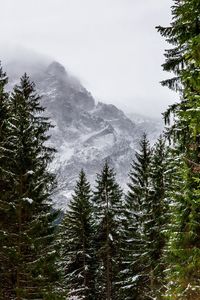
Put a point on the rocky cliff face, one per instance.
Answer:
(85, 133)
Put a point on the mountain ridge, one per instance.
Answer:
(86, 133)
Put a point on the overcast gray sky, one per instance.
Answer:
(111, 45)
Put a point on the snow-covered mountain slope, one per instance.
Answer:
(153, 127)
(85, 133)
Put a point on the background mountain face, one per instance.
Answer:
(85, 133)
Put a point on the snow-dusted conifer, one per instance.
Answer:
(109, 231)
(29, 247)
(183, 60)
(6, 185)
(136, 279)
(158, 215)
(77, 249)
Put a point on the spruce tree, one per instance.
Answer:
(136, 280)
(183, 59)
(147, 214)
(161, 183)
(6, 184)
(77, 253)
(30, 234)
(109, 232)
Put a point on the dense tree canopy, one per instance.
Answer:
(184, 60)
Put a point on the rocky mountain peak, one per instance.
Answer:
(109, 111)
(85, 134)
(62, 92)
(56, 69)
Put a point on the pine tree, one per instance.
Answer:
(6, 184)
(30, 234)
(77, 253)
(183, 59)
(136, 281)
(147, 214)
(109, 231)
(161, 183)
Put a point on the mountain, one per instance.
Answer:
(86, 133)
(152, 126)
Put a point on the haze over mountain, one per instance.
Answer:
(112, 46)
(86, 132)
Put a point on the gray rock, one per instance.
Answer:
(85, 134)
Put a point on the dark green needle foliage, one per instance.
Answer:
(6, 186)
(147, 217)
(28, 247)
(108, 215)
(138, 201)
(77, 253)
(161, 186)
(183, 59)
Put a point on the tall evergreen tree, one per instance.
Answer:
(109, 231)
(147, 214)
(161, 183)
(136, 281)
(6, 184)
(77, 253)
(184, 60)
(31, 228)
(4, 120)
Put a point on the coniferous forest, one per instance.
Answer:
(109, 244)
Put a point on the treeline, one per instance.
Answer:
(144, 244)
(108, 245)
(27, 220)
(112, 245)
